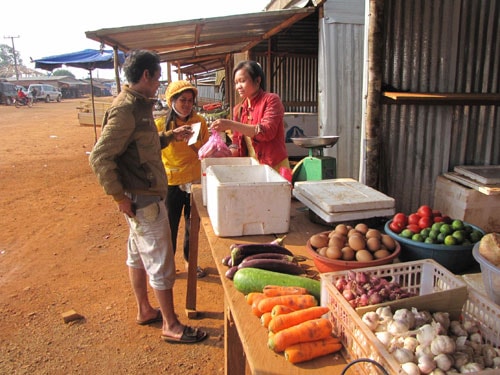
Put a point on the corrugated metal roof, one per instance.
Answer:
(202, 44)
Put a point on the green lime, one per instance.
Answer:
(436, 226)
(457, 224)
(406, 233)
(440, 237)
(433, 234)
(475, 236)
(417, 237)
(430, 240)
(468, 228)
(459, 236)
(446, 229)
(425, 232)
(449, 240)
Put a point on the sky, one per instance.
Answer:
(53, 27)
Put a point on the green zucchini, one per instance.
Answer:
(249, 279)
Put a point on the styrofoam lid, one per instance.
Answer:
(342, 195)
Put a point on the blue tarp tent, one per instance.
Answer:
(89, 59)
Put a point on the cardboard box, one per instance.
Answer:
(247, 200)
(207, 162)
(470, 205)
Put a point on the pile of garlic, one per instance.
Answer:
(425, 343)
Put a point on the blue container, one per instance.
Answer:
(456, 258)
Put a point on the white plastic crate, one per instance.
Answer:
(437, 289)
(247, 200)
(207, 162)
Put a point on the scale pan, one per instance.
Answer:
(309, 142)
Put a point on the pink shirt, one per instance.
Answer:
(266, 111)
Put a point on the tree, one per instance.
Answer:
(63, 72)
(7, 56)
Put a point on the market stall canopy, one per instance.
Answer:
(89, 59)
(201, 45)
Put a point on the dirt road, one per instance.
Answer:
(62, 247)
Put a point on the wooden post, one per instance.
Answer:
(116, 64)
(372, 132)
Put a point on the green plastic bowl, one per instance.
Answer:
(456, 258)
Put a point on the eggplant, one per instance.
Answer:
(241, 251)
(230, 272)
(227, 261)
(290, 258)
(276, 265)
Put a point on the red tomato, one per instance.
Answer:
(438, 219)
(414, 228)
(436, 213)
(424, 211)
(413, 218)
(425, 222)
(396, 228)
(400, 218)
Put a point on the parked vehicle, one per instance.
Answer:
(8, 93)
(44, 92)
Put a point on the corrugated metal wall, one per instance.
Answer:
(438, 46)
(340, 81)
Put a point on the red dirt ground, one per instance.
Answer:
(62, 247)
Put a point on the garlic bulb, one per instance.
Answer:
(442, 344)
(444, 361)
(403, 355)
(410, 368)
(426, 364)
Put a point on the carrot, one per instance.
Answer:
(255, 305)
(281, 309)
(295, 302)
(265, 319)
(280, 322)
(310, 330)
(306, 351)
(279, 290)
(250, 297)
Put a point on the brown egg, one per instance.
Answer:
(322, 251)
(364, 256)
(319, 240)
(356, 242)
(388, 241)
(353, 231)
(373, 233)
(341, 229)
(338, 241)
(348, 253)
(380, 254)
(373, 244)
(333, 252)
(361, 227)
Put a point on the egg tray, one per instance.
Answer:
(427, 279)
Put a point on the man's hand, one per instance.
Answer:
(126, 206)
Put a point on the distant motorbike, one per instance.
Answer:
(19, 102)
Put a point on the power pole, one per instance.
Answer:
(14, 52)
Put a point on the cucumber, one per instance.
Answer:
(248, 280)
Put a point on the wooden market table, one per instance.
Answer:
(245, 340)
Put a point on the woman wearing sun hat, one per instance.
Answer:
(181, 160)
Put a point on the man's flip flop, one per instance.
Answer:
(189, 336)
(157, 318)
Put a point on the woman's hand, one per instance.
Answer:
(183, 133)
(220, 125)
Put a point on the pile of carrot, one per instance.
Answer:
(295, 322)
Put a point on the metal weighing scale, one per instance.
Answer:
(316, 166)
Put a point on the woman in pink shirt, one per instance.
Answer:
(257, 126)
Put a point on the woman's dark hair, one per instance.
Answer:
(254, 70)
(137, 62)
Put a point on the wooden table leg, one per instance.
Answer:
(192, 279)
(234, 355)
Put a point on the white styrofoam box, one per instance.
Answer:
(205, 163)
(343, 195)
(247, 200)
(335, 217)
